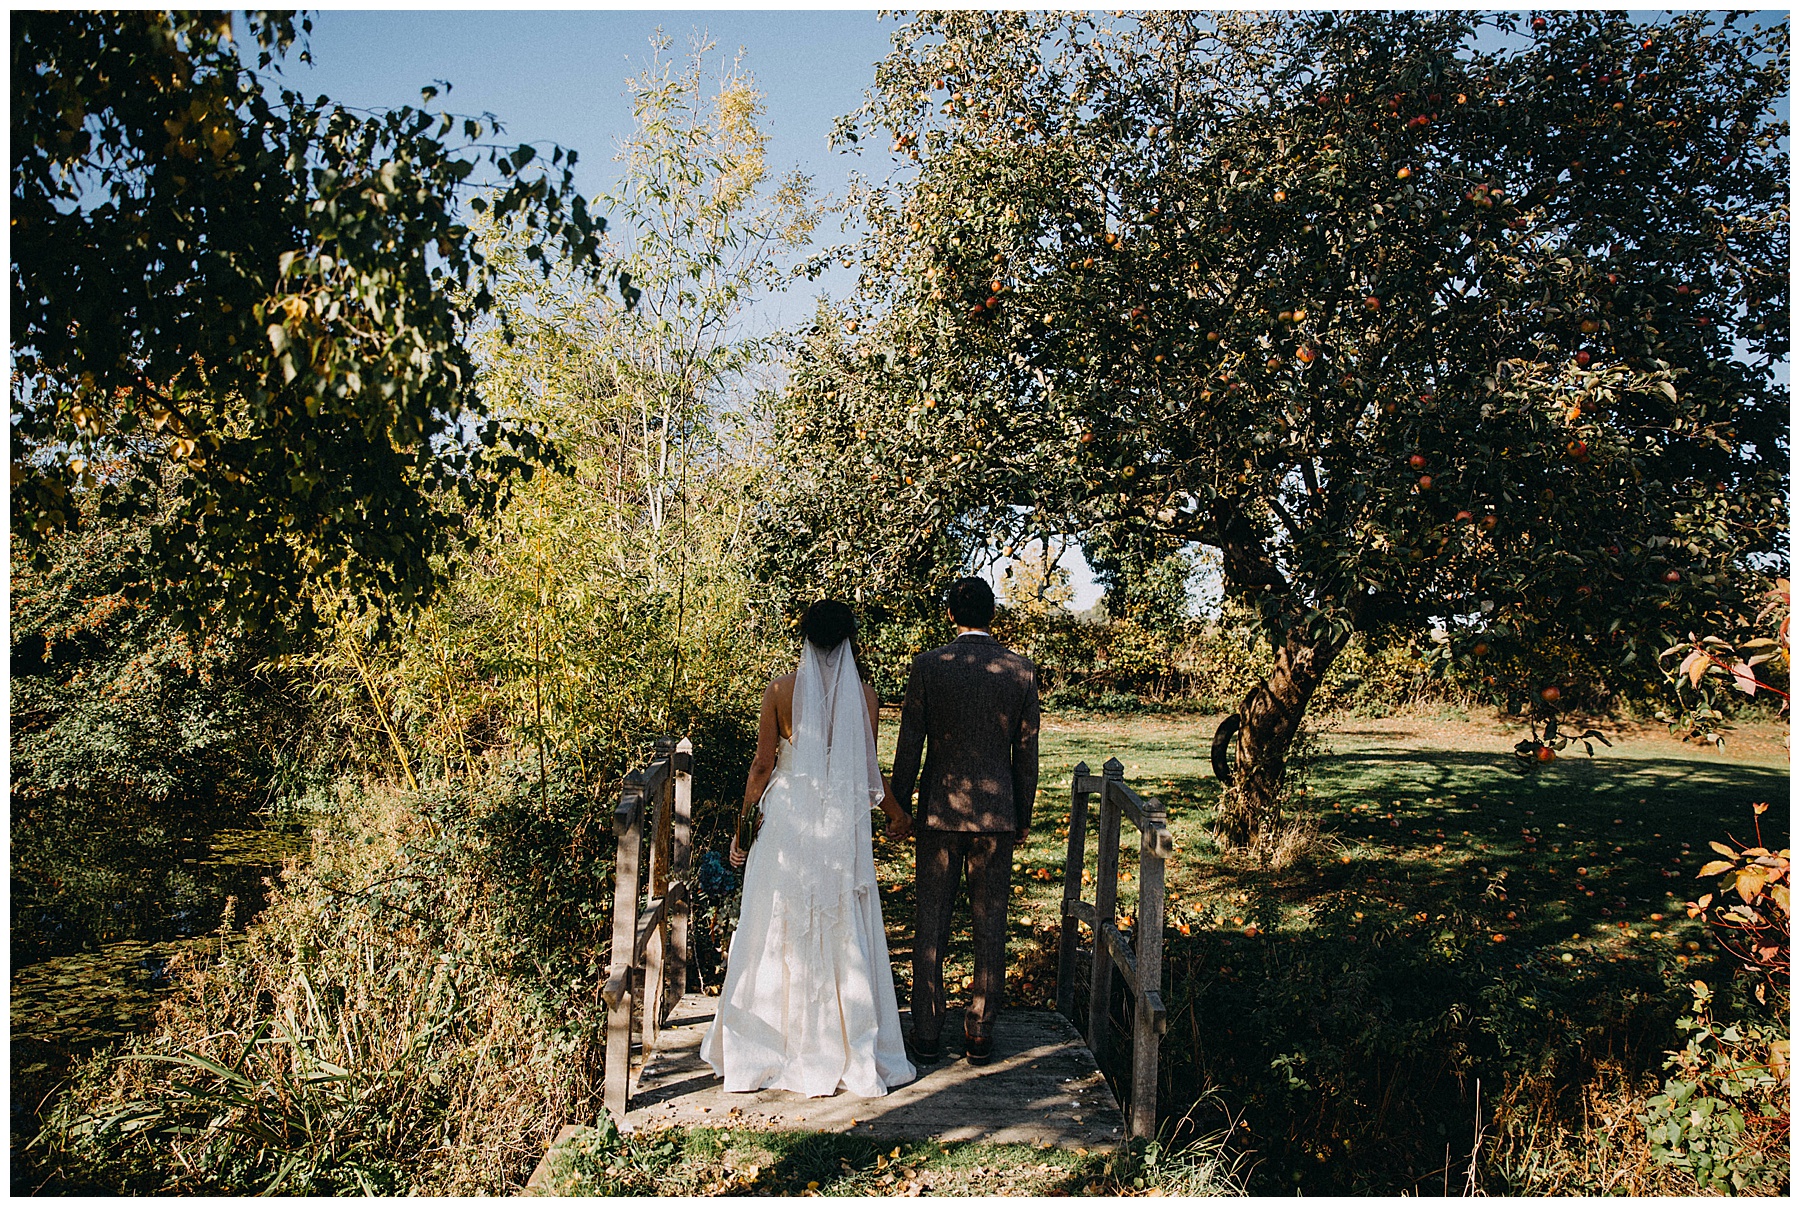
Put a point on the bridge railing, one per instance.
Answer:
(1137, 961)
(651, 909)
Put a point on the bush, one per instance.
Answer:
(1210, 666)
(418, 1009)
(128, 736)
(1122, 665)
(1125, 665)
(1592, 1144)
(1723, 1116)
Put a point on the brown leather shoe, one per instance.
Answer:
(979, 1050)
(918, 1053)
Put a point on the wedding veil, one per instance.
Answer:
(833, 777)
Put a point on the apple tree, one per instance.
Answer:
(259, 301)
(1460, 318)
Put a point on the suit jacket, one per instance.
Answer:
(972, 710)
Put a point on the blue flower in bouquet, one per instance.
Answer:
(716, 877)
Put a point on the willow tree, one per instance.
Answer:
(1414, 317)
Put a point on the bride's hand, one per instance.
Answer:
(737, 857)
(899, 827)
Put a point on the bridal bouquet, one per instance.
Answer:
(718, 896)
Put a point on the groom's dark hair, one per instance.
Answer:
(972, 603)
(828, 624)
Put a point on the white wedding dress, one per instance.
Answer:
(808, 1003)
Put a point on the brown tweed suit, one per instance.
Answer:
(971, 710)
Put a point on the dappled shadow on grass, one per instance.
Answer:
(1454, 921)
(1351, 1028)
(852, 1165)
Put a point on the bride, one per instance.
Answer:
(808, 1003)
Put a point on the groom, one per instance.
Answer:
(972, 709)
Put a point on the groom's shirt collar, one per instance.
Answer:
(974, 633)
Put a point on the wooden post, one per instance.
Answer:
(681, 857)
(660, 837)
(652, 1009)
(1147, 1018)
(1106, 900)
(1137, 959)
(1069, 942)
(661, 845)
(628, 827)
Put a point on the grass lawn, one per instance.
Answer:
(1592, 856)
(744, 1161)
(1562, 884)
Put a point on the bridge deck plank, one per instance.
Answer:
(1042, 1088)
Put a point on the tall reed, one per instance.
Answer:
(371, 1033)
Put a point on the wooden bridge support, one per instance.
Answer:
(648, 968)
(1139, 963)
(647, 972)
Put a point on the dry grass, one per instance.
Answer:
(1600, 1150)
(1294, 843)
(744, 1162)
(352, 1042)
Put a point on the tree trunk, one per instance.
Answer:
(1265, 724)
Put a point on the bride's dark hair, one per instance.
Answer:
(828, 624)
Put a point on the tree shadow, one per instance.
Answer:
(1454, 920)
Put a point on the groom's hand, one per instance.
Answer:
(899, 827)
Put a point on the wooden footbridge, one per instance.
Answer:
(1044, 1086)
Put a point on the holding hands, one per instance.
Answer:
(900, 823)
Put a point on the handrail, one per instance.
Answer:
(647, 972)
(1138, 964)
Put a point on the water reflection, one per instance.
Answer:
(88, 971)
(75, 893)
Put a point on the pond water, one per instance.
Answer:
(88, 969)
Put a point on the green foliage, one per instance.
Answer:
(827, 520)
(1036, 582)
(1231, 311)
(1755, 927)
(1361, 1038)
(1707, 674)
(599, 1160)
(570, 629)
(607, 604)
(1598, 1149)
(1156, 596)
(127, 735)
(1722, 1116)
(1209, 666)
(1453, 923)
(1416, 318)
(648, 392)
(266, 293)
(417, 1009)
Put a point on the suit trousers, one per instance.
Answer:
(943, 857)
